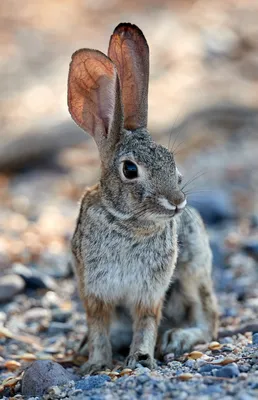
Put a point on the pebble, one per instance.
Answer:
(59, 327)
(251, 248)
(229, 371)
(34, 279)
(10, 285)
(36, 314)
(208, 368)
(214, 207)
(41, 375)
(91, 382)
(61, 315)
(255, 339)
(244, 367)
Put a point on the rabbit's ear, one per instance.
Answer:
(129, 51)
(94, 97)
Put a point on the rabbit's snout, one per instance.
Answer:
(176, 203)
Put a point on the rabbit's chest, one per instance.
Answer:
(118, 268)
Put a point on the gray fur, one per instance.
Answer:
(128, 240)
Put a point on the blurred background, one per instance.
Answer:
(203, 103)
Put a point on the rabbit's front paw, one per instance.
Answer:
(93, 368)
(146, 360)
(177, 341)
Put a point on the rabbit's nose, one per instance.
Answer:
(178, 199)
(182, 205)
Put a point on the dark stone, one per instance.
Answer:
(217, 254)
(251, 248)
(229, 371)
(215, 207)
(41, 375)
(208, 368)
(10, 285)
(59, 327)
(244, 368)
(255, 338)
(34, 279)
(92, 382)
(61, 315)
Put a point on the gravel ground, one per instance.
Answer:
(212, 60)
(42, 319)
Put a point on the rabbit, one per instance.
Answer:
(135, 244)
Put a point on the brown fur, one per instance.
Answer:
(135, 244)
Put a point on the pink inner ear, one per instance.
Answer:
(129, 51)
(106, 101)
(93, 93)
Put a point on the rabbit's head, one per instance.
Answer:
(108, 98)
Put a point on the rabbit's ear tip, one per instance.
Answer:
(127, 27)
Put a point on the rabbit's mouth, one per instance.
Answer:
(170, 208)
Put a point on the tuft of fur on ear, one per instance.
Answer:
(129, 51)
(94, 96)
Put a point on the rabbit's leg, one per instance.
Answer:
(199, 323)
(99, 316)
(146, 321)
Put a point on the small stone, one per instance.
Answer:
(255, 339)
(186, 376)
(36, 314)
(27, 357)
(189, 363)
(41, 375)
(34, 279)
(229, 371)
(208, 368)
(59, 327)
(214, 346)
(251, 248)
(227, 340)
(92, 382)
(244, 367)
(214, 207)
(3, 317)
(195, 355)
(10, 285)
(61, 315)
(126, 371)
(12, 365)
(169, 357)
(228, 348)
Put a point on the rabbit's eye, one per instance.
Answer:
(130, 170)
(179, 180)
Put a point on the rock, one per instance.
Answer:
(189, 363)
(41, 375)
(214, 207)
(34, 279)
(91, 382)
(10, 285)
(208, 368)
(218, 256)
(3, 317)
(61, 315)
(255, 338)
(229, 371)
(59, 327)
(36, 314)
(244, 367)
(251, 248)
(57, 266)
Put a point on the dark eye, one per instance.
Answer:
(130, 170)
(179, 180)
